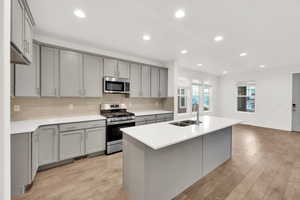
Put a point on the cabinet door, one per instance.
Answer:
(154, 82)
(146, 74)
(35, 155)
(163, 82)
(17, 24)
(48, 145)
(71, 74)
(28, 77)
(27, 38)
(123, 69)
(135, 80)
(94, 140)
(71, 144)
(49, 71)
(110, 67)
(93, 74)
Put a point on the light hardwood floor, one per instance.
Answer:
(265, 166)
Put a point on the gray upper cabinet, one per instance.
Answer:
(49, 72)
(94, 140)
(28, 38)
(48, 145)
(154, 82)
(27, 82)
(123, 69)
(71, 144)
(93, 74)
(71, 69)
(146, 81)
(110, 67)
(163, 82)
(135, 80)
(17, 24)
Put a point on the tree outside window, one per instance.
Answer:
(246, 97)
(196, 97)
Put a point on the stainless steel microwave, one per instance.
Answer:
(116, 85)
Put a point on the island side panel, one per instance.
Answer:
(171, 170)
(217, 148)
(133, 168)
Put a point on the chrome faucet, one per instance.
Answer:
(198, 115)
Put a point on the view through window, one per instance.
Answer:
(246, 97)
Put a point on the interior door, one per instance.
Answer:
(296, 103)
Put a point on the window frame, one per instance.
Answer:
(247, 85)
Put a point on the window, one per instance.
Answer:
(246, 97)
(206, 97)
(195, 97)
(182, 100)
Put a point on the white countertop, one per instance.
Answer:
(26, 126)
(150, 112)
(163, 134)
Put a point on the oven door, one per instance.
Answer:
(114, 136)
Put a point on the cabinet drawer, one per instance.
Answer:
(150, 118)
(165, 116)
(82, 125)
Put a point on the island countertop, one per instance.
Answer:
(161, 135)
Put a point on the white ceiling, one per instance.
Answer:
(268, 30)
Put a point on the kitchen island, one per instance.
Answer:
(162, 160)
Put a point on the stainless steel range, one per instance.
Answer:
(117, 117)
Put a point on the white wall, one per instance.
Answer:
(273, 97)
(4, 100)
(184, 77)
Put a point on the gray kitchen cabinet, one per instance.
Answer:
(163, 82)
(27, 82)
(93, 75)
(12, 80)
(28, 35)
(123, 69)
(110, 67)
(49, 72)
(216, 149)
(146, 81)
(20, 162)
(71, 144)
(34, 154)
(135, 80)
(17, 24)
(154, 82)
(48, 137)
(95, 140)
(71, 69)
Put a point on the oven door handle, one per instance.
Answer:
(120, 122)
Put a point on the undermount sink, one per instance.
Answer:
(184, 123)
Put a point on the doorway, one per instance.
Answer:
(296, 103)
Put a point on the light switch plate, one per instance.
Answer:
(17, 108)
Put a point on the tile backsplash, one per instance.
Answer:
(39, 108)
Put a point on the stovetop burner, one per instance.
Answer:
(116, 112)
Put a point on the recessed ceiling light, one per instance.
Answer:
(179, 14)
(146, 37)
(79, 13)
(262, 66)
(219, 38)
(243, 54)
(184, 51)
(225, 72)
(199, 65)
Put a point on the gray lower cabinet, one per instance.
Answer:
(135, 80)
(123, 69)
(49, 72)
(21, 170)
(216, 149)
(34, 154)
(71, 68)
(163, 82)
(92, 76)
(146, 81)
(154, 82)
(150, 119)
(95, 140)
(48, 145)
(27, 82)
(110, 67)
(71, 144)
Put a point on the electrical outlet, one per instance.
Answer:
(71, 106)
(17, 108)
